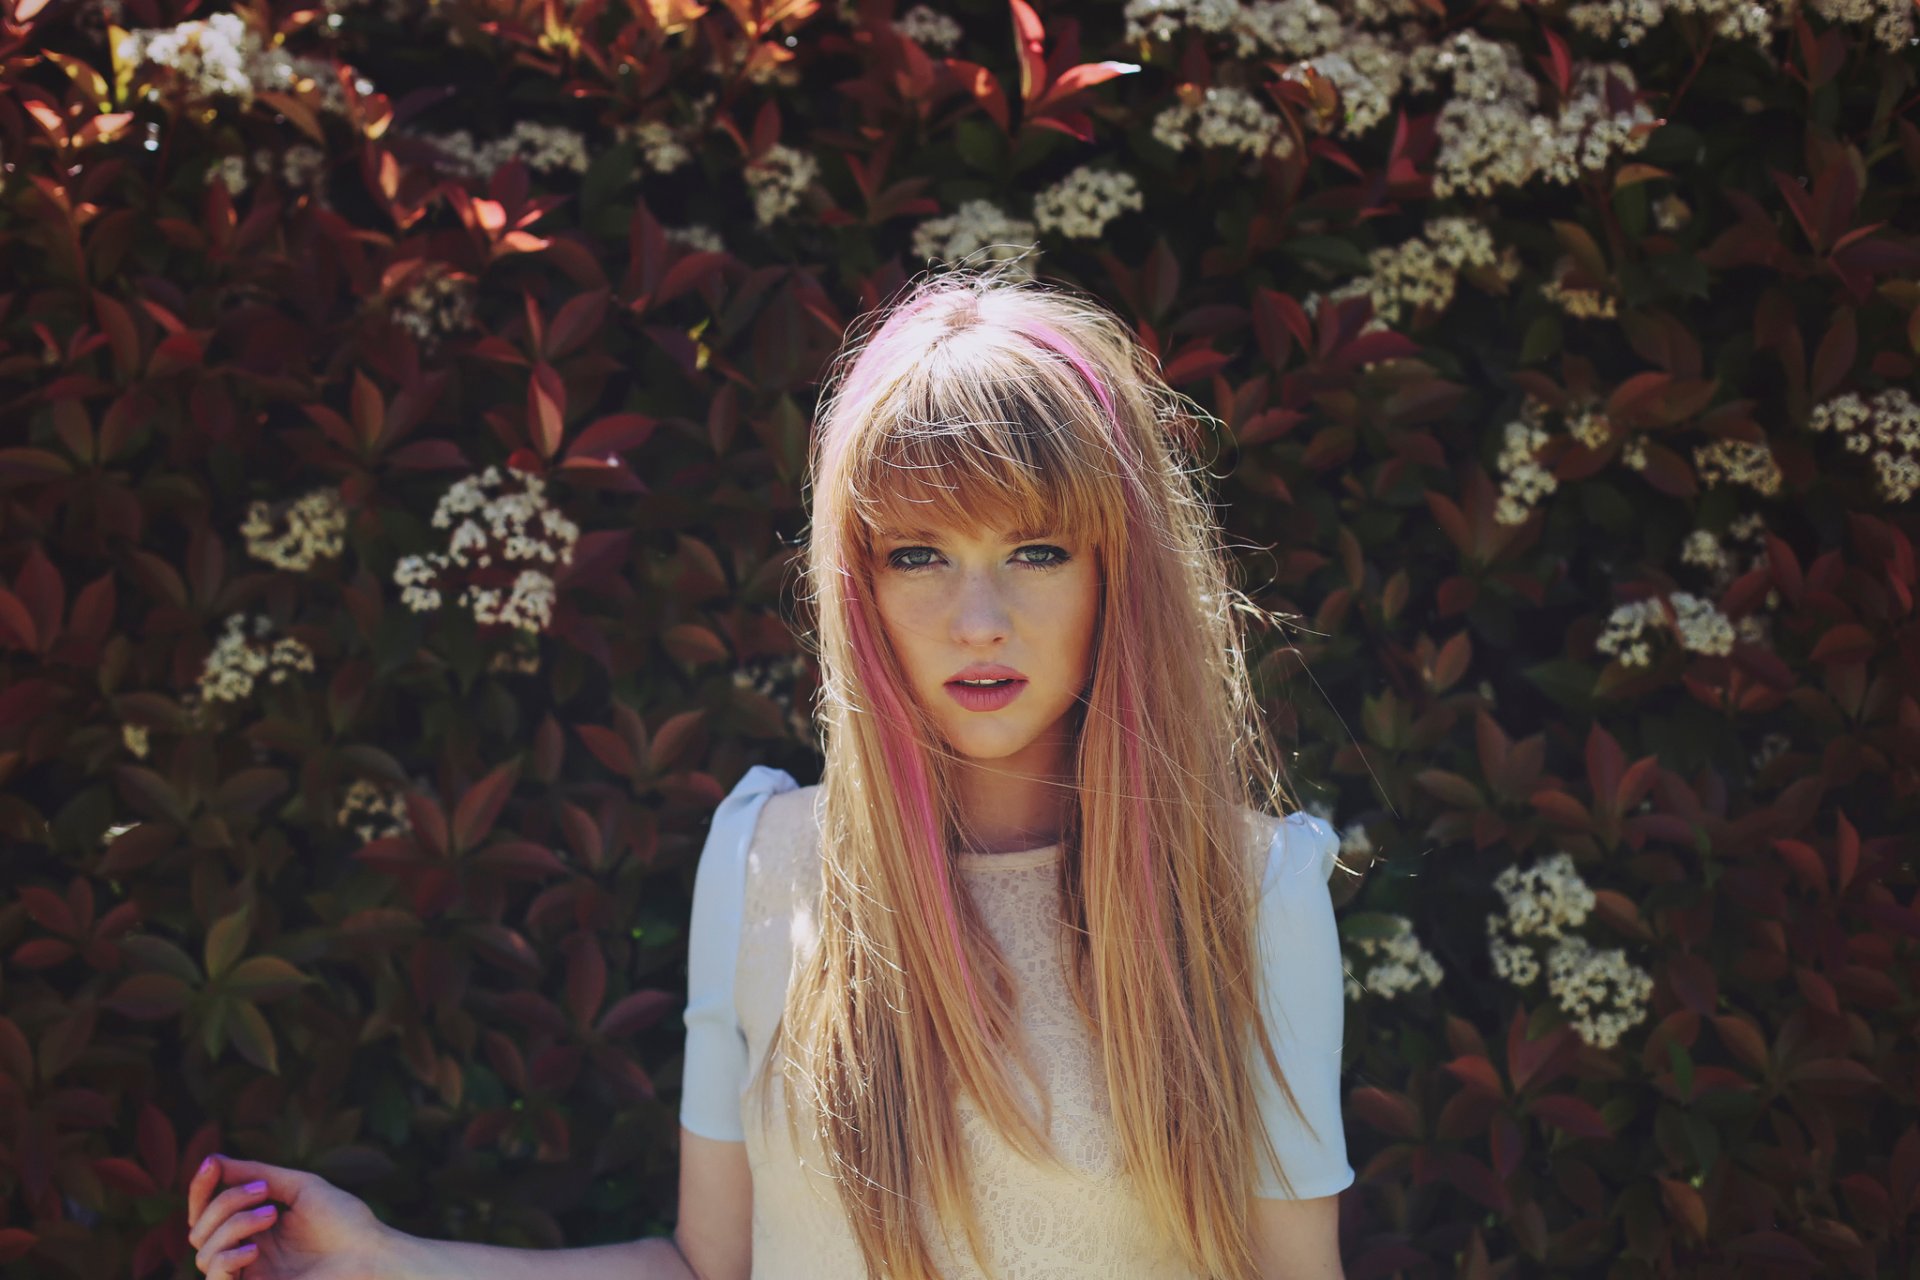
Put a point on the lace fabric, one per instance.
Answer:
(1037, 1223)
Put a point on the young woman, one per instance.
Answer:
(1030, 984)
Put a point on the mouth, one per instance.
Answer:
(985, 695)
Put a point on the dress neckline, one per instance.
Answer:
(1015, 861)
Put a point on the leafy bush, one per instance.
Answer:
(410, 403)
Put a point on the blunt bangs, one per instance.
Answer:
(1006, 461)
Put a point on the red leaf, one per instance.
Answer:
(586, 977)
(480, 806)
(1574, 1115)
(1477, 1073)
(612, 435)
(609, 748)
(125, 1176)
(636, 1012)
(1030, 38)
(546, 409)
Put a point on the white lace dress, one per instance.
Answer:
(754, 894)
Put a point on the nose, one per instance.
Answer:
(980, 614)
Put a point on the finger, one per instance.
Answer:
(200, 1188)
(223, 1206)
(282, 1184)
(228, 1263)
(233, 1232)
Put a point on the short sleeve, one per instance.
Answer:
(715, 1067)
(1303, 995)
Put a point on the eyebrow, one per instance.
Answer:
(1021, 534)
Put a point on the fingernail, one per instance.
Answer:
(205, 1165)
(264, 1211)
(255, 1188)
(247, 1248)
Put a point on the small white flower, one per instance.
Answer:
(314, 529)
(1081, 204)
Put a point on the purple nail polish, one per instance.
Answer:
(255, 1188)
(205, 1165)
(264, 1211)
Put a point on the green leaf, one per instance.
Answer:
(979, 143)
(1682, 1067)
(156, 953)
(264, 978)
(253, 1037)
(226, 940)
(1565, 681)
(1334, 251)
(1542, 339)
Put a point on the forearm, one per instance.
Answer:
(415, 1258)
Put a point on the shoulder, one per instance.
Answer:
(1292, 851)
(789, 813)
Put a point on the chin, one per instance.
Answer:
(978, 745)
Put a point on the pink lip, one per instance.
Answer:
(975, 699)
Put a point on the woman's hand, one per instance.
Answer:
(323, 1233)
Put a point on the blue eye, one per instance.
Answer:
(1055, 556)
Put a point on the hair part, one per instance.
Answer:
(976, 398)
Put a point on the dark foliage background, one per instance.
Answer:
(405, 405)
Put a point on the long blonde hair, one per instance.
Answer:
(974, 395)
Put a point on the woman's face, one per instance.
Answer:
(1018, 602)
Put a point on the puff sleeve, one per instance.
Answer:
(1303, 996)
(715, 1067)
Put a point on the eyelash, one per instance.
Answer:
(1063, 556)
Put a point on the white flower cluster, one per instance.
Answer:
(1893, 422)
(1630, 20)
(1892, 19)
(1369, 71)
(1697, 622)
(1625, 627)
(1222, 116)
(1300, 28)
(297, 168)
(1081, 204)
(1580, 303)
(316, 527)
(223, 57)
(373, 811)
(1602, 992)
(1590, 425)
(237, 659)
(929, 28)
(542, 147)
(696, 235)
(975, 225)
(778, 179)
(134, 738)
(1746, 462)
(1402, 964)
(439, 303)
(1523, 481)
(1670, 213)
(1492, 135)
(1423, 271)
(511, 527)
(230, 172)
(659, 144)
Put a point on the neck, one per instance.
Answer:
(1016, 802)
